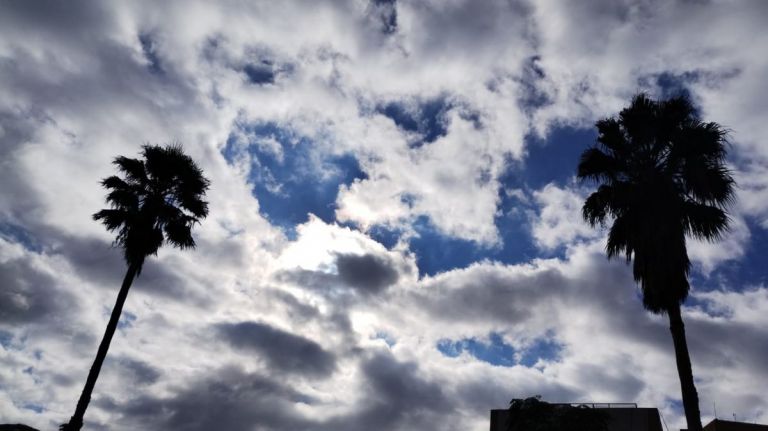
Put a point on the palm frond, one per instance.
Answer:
(113, 219)
(179, 234)
(611, 136)
(708, 182)
(620, 239)
(115, 182)
(195, 205)
(639, 120)
(597, 206)
(704, 222)
(598, 166)
(132, 168)
(675, 111)
(123, 199)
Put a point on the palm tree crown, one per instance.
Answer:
(159, 199)
(662, 176)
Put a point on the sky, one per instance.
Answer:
(395, 239)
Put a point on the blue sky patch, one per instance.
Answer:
(260, 73)
(386, 338)
(542, 348)
(386, 14)
(37, 408)
(426, 118)
(20, 235)
(5, 339)
(496, 352)
(436, 252)
(265, 71)
(291, 177)
(150, 53)
(126, 320)
(553, 159)
(672, 84)
(739, 274)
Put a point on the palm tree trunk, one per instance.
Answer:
(76, 422)
(690, 397)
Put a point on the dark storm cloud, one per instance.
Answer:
(30, 295)
(100, 262)
(494, 296)
(367, 273)
(50, 18)
(397, 397)
(485, 393)
(297, 310)
(618, 380)
(466, 26)
(714, 343)
(17, 200)
(489, 292)
(282, 350)
(227, 399)
(18, 128)
(138, 372)
(319, 281)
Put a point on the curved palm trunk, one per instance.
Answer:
(690, 397)
(76, 422)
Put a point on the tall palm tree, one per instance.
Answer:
(159, 199)
(661, 177)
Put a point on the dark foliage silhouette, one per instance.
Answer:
(16, 427)
(158, 200)
(661, 177)
(532, 414)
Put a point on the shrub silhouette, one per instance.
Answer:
(532, 414)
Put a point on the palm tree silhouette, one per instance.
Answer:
(159, 199)
(661, 176)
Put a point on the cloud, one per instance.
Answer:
(559, 221)
(283, 351)
(368, 273)
(396, 397)
(136, 370)
(31, 293)
(230, 398)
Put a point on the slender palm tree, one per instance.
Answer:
(661, 177)
(159, 199)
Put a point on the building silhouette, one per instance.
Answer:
(619, 417)
(721, 425)
(628, 417)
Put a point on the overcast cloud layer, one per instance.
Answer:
(395, 239)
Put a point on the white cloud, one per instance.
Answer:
(559, 221)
